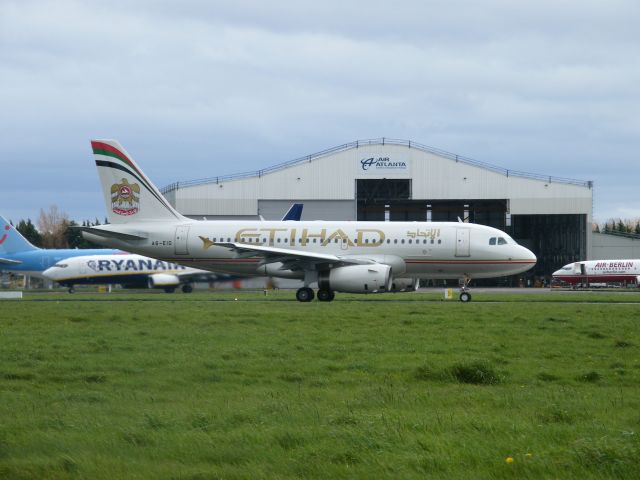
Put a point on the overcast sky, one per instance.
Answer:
(195, 89)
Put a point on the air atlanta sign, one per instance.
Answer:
(383, 165)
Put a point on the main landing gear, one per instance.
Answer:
(306, 294)
(465, 296)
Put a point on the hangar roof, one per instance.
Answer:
(376, 141)
(332, 175)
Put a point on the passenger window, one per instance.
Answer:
(395, 240)
(439, 241)
(402, 241)
(501, 241)
(492, 241)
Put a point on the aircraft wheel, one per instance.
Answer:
(465, 297)
(72, 290)
(187, 288)
(325, 295)
(169, 289)
(304, 294)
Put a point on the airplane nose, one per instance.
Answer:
(527, 254)
(50, 273)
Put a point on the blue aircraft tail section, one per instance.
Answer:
(11, 241)
(294, 213)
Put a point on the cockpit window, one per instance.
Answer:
(61, 265)
(501, 241)
(492, 241)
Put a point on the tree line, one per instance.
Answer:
(618, 226)
(55, 230)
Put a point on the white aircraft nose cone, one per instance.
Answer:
(49, 273)
(531, 255)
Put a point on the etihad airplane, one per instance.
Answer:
(335, 256)
(18, 255)
(128, 270)
(600, 271)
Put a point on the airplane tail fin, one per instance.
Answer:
(128, 194)
(294, 212)
(11, 241)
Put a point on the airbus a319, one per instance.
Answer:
(355, 257)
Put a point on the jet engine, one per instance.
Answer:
(404, 284)
(373, 278)
(160, 280)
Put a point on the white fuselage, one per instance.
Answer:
(119, 268)
(438, 250)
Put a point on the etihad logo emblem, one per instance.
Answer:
(125, 198)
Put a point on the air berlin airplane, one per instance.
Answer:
(600, 271)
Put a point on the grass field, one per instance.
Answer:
(182, 387)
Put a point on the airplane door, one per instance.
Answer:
(83, 268)
(462, 242)
(180, 241)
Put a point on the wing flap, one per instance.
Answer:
(280, 253)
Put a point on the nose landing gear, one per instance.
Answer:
(465, 296)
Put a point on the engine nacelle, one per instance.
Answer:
(404, 284)
(373, 278)
(159, 280)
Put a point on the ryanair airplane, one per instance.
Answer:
(130, 271)
(18, 255)
(354, 257)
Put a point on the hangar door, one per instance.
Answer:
(462, 242)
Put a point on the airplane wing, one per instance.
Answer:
(7, 261)
(294, 259)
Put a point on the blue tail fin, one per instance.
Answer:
(10, 239)
(294, 212)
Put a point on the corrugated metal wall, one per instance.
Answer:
(613, 247)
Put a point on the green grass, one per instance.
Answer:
(182, 387)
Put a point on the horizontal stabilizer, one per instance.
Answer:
(110, 234)
(6, 261)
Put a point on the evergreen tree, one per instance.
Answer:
(597, 228)
(28, 230)
(75, 239)
(637, 229)
(622, 228)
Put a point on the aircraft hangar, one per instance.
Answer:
(400, 180)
